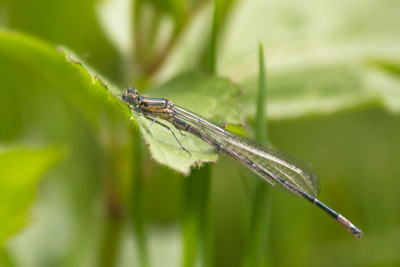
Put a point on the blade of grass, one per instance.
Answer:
(260, 209)
(261, 118)
(212, 65)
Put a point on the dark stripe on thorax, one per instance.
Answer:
(154, 102)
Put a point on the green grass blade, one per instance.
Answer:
(260, 209)
(261, 117)
(212, 64)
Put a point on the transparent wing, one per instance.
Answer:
(269, 163)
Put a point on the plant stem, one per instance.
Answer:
(110, 242)
(197, 227)
(136, 205)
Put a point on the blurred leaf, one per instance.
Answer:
(194, 49)
(5, 258)
(45, 68)
(20, 172)
(325, 89)
(115, 18)
(71, 23)
(48, 98)
(319, 63)
(301, 32)
(350, 150)
(157, 28)
(68, 23)
(210, 96)
(174, 8)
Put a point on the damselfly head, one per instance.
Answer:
(131, 90)
(130, 96)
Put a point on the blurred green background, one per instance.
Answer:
(80, 187)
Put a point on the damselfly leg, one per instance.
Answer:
(154, 120)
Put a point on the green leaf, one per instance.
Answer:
(318, 64)
(297, 33)
(212, 97)
(326, 89)
(49, 99)
(72, 23)
(5, 258)
(51, 73)
(20, 173)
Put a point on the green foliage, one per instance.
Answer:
(46, 96)
(20, 171)
(333, 99)
(338, 86)
(69, 23)
(320, 64)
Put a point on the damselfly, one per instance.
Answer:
(273, 166)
